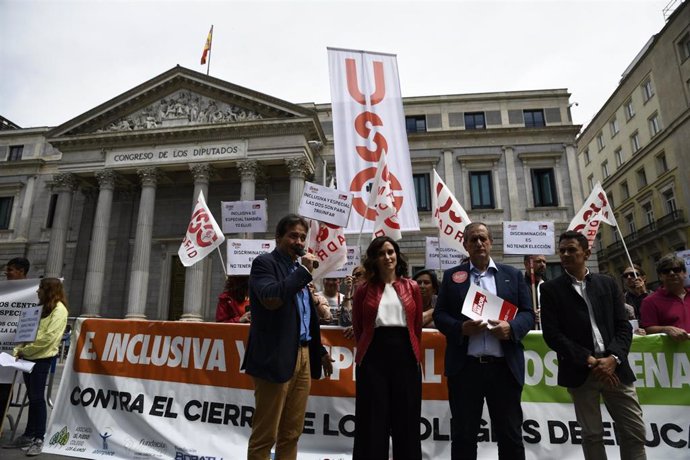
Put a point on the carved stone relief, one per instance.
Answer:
(181, 108)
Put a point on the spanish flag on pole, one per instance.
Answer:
(207, 46)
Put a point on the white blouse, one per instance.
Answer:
(391, 312)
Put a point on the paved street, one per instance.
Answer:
(16, 454)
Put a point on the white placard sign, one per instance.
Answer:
(27, 327)
(244, 216)
(440, 258)
(325, 204)
(241, 253)
(353, 259)
(529, 238)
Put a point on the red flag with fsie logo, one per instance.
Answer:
(387, 221)
(449, 216)
(596, 209)
(207, 46)
(327, 242)
(203, 235)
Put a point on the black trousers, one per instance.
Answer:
(466, 394)
(389, 398)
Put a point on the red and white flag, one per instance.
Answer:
(382, 200)
(596, 209)
(450, 217)
(368, 119)
(203, 235)
(327, 242)
(207, 46)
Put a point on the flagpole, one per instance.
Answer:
(535, 299)
(210, 50)
(626, 250)
(222, 264)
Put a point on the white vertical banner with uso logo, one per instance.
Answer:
(165, 389)
(368, 121)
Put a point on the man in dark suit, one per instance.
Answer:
(484, 362)
(585, 323)
(284, 349)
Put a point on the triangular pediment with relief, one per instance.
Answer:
(182, 108)
(180, 98)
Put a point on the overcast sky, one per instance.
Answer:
(59, 59)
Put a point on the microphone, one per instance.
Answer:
(301, 252)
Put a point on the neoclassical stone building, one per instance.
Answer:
(103, 200)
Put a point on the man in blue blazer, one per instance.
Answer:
(284, 350)
(484, 361)
(585, 323)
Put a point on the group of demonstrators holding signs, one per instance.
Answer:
(286, 386)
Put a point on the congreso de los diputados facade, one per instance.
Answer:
(104, 199)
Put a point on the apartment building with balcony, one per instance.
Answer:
(638, 147)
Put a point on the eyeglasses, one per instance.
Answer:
(357, 274)
(675, 270)
(631, 275)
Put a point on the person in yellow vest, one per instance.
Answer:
(42, 351)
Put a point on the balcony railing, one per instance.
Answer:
(643, 234)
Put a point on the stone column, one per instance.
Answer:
(299, 168)
(516, 211)
(27, 206)
(192, 309)
(249, 170)
(139, 277)
(64, 184)
(95, 269)
(574, 176)
(448, 171)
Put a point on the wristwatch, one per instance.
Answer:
(618, 360)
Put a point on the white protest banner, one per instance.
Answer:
(368, 119)
(451, 218)
(353, 260)
(327, 242)
(481, 304)
(241, 253)
(15, 296)
(203, 235)
(244, 216)
(27, 327)
(441, 258)
(325, 204)
(529, 238)
(596, 209)
(170, 389)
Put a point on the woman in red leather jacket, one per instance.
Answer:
(233, 303)
(387, 322)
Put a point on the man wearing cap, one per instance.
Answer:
(635, 285)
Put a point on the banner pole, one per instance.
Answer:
(535, 303)
(222, 264)
(625, 247)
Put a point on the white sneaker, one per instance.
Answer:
(36, 448)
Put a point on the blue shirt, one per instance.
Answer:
(302, 301)
(484, 344)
